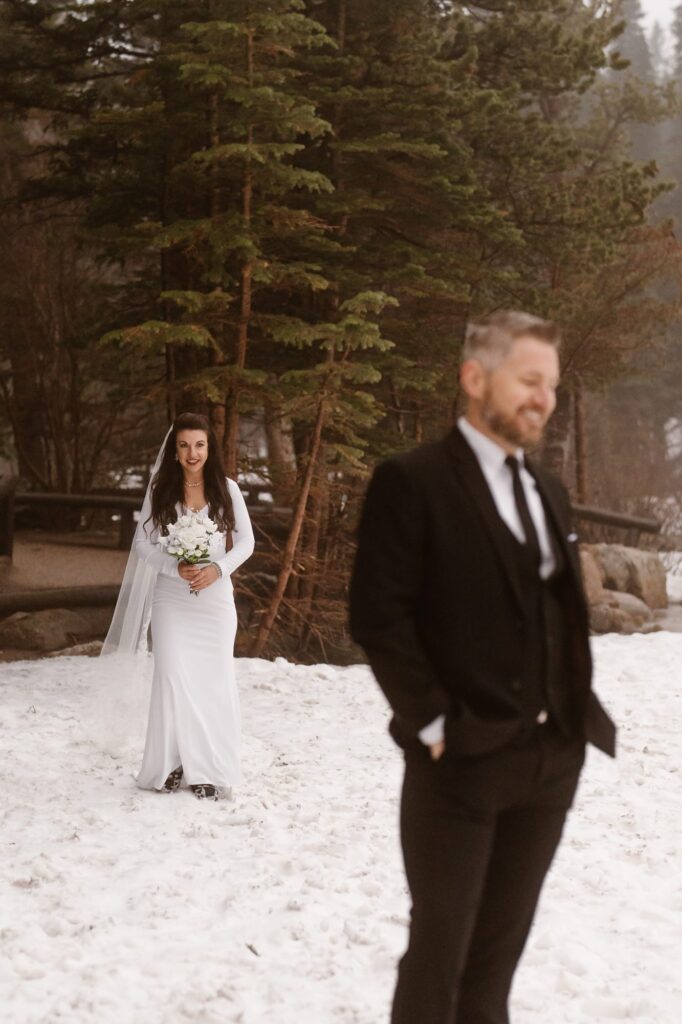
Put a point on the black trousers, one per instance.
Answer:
(478, 837)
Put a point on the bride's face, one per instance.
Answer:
(192, 449)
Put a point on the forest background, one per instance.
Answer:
(284, 213)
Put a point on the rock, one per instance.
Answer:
(621, 613)
(594, 587)
(629, 570)
(648, 578)
(601, 618)
(43, 631)
(613, 564)
(651, 627)
(631, 606)
(91, 649)
(609, 618)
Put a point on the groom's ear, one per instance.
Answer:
(473, 378)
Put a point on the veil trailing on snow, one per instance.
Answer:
(115, 709)
(130, 623)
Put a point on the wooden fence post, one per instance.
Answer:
(8, 489)
(126, 529)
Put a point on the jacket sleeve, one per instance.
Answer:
(149, 551)
(242, 535)
(384, 594)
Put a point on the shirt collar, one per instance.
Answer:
(489, 453)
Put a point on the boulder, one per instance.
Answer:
(651, 627)
(620, 613)
(91, 649)
(608, 618)
(648, 578)
(594, 587)
(613, 565)
(631, 606)
(47, 630)
(603, 619)
(629, 570)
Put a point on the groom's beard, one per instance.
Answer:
(516, 429)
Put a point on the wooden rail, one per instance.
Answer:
(633, 524)
(126, 504)
(58, 597)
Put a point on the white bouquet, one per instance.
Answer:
(189, 539)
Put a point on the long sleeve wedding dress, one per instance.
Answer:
(194, 717)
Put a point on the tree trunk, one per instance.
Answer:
(418, 427)
(294, 534)
(580, 429)
(312, 543)
(231, 405)
(398, 411)
(26, 411)
(281, 456)
(171, 401)
(77, 468)
(216, 410)
(171, 405)
(555, 450)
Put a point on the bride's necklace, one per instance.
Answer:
(192, 508)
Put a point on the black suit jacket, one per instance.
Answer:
(436, 601)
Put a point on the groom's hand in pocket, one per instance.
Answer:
(437, 750)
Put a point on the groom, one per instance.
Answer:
(468, 599)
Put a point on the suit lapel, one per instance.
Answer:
(556, 514)
(474, 483)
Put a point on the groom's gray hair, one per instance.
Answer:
(490, 341)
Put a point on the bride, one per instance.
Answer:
(193, 730)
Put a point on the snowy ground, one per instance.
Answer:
(286, 905)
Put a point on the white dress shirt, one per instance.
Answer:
(491, 458)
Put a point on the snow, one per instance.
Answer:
(674, 586)
(287, 904)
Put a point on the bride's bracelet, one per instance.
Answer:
(220, 571)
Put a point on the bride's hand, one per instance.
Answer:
(205, 577)
(187, 571)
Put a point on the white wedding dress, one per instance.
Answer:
(194, 718)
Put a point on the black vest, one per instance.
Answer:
(546, 669)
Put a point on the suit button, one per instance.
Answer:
(516, 685)
(542, 717)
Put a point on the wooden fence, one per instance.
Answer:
(128, 503)
(8, 489)
(634, 525)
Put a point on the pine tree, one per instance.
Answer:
(657, 50)
(299, 206)
(633, 45)
(634, 48)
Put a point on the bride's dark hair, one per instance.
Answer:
(168, 485)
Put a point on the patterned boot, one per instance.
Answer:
(205, 791)
(172, 783)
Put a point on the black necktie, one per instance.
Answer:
(532, 542)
